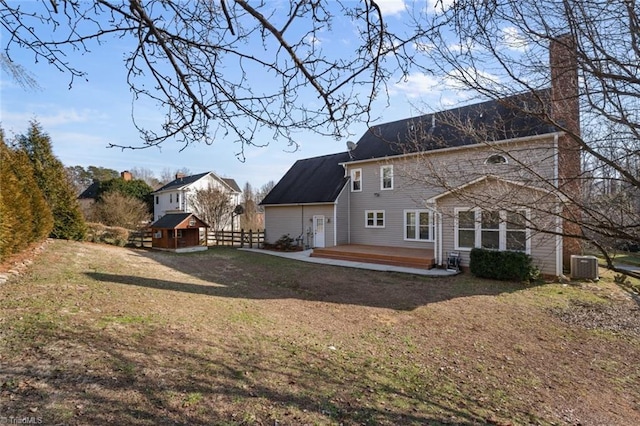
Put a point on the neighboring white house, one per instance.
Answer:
(177, 195)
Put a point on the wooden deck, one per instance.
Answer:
(397, 256)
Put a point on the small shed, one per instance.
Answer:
(179, 232)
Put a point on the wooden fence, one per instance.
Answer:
(241, 238)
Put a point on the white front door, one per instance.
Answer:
(318, 231)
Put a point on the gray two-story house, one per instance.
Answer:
(494, 175)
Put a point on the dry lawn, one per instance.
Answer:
(95, 335)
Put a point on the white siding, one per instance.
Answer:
(180, 199)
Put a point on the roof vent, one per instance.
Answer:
(433, 124)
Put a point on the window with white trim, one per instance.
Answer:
(492, 229)
(171, 197)
(516, 231)
(386, 177)
(374, 219)
(418, 225)
(465, 229)
(356, 180)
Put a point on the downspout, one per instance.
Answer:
(559, 239)
(559, 244)
(348, 203)
(335, 226)
(439, 242)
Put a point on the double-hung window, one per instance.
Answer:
(418, 225)
(386, 177)
(356, 180)
(374, 219)
(516, 231)
(492, 229)
(465, 229)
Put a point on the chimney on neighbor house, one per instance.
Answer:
(180, 175)
(126, 175)
(565, 111)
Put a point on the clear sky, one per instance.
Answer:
(84, 119)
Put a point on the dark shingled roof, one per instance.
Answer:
(491, 120)
(187, 180)
(320, 179)
(312, 180)
(232, 183)
(170, 220)
(180, 182)
(91, 193)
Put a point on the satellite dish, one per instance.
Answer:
(351, 145)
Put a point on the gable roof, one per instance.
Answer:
(320, 179)
(494, 178)
(312, 180)
(172, 220)
(91, 193)
(509, 118)
(181, 182)
(232, 184)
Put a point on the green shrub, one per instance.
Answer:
(502, 265)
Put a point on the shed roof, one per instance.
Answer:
(173, 220)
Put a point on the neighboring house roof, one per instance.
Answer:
(172, 220)
(232, 184)
(312, 180)
(493, 120)
(184, 181)
(91, 193)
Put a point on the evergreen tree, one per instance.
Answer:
(25, 216)
(54, 183)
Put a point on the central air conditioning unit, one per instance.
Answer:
(584, 267)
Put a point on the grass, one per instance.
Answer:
(93, 334)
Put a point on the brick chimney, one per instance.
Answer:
(126, 175)
(565, 111)
(180, 175)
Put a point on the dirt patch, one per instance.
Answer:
(93, 334)
(623, 317)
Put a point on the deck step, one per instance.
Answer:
(377, 258)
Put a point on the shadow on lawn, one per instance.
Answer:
(237, 274)
(159, 379)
